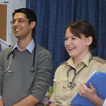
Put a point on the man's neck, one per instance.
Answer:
(23, 43)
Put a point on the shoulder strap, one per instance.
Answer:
(63, 63)
(99, 60)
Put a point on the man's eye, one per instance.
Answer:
(20, 20)
(13, 21)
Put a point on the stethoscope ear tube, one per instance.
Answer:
(10, 54)
(33, 64)
(12, 57)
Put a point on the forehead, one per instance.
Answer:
(68, 32)
(19, 15)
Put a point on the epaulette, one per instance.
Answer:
(99, 60)
(63, 62)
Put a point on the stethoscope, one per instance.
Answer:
(72, 84)
(12, 55)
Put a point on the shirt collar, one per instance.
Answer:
(86, 60)
(30, 46)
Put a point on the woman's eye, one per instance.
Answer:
(66, 38)
(73, 38)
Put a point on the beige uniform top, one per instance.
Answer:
(62, 95)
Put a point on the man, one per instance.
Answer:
(25, 68)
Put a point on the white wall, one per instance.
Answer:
(11, 6)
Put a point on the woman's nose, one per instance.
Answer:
(68, 42)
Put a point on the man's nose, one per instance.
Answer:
(16, 22)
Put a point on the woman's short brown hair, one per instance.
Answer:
(85, 28)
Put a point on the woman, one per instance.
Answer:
(70, 76)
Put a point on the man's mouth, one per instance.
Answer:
(17, 29)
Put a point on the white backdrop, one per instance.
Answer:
(11, 6)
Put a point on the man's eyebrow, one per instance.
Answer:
(17, 18)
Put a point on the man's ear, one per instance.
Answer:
(32, 24)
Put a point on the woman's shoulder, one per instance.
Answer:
(61, 68)
(63, 63)
(98, 59)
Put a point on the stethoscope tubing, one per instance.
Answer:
(75, 74)
(13, 53)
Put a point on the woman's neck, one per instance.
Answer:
(78, 59)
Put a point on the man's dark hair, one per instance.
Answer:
(30, 15)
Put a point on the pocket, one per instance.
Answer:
(60, 79)
(61, 87)
(62, 92)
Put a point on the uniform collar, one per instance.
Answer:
(85, 61)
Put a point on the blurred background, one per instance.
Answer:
(52, 18)
(54, 15)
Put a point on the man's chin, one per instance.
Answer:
(17, 36)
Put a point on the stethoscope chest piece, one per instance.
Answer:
(32, 69)
(71, 84)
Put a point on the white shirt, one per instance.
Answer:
(104, 104)
(30, 46)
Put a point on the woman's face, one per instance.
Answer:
(75, 46)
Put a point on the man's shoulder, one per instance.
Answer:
(4, 54)
(41, 49)
(7, 50)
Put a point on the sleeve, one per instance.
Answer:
(104, 104)
(43, 76)
(1, 74)
(52, 98)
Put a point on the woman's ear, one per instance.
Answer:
(89, 41)
(32, 24)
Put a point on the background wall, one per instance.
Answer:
(54, 15)
(11, 6)
(52, 18)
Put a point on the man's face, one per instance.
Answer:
(20, 26)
